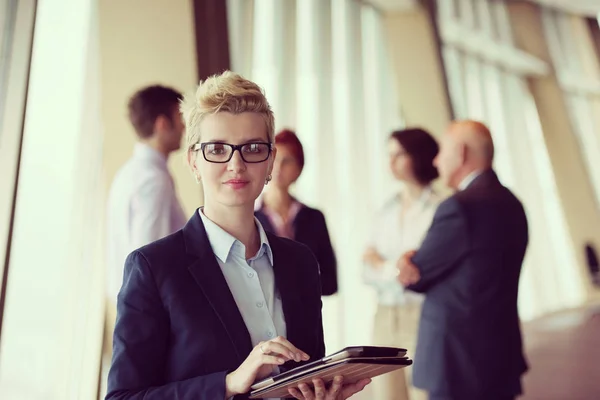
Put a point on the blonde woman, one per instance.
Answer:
(400, 226)
(205, 312)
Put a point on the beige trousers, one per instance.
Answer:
(397, 326)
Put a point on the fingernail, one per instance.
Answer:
(280, 360)
(305, 356)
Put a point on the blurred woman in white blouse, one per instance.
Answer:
(400, 226)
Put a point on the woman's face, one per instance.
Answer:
(234, 183)
(400, 161)
(285, 168)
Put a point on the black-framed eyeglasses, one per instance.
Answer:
(253, 152)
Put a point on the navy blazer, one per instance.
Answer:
(310, 229)
(469, 344)
(178, 330)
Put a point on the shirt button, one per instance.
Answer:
(250, 274)
(270, 334)
(259, 304)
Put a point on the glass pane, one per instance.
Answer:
(8, 12)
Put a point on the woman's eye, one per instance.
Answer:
(216, 150)
(252, 148)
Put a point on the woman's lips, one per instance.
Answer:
(236, 183)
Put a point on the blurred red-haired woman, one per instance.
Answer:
(282, 214)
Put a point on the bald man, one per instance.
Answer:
(469, 344)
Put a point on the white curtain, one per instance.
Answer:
(325, 71)
(52, 327)
(495, 91)
(573, 55)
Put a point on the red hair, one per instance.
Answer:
(288, 138)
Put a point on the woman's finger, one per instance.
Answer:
(296, 393)
(277, 349)
(336, 387)
(320, 390)
(299, 354)
(271, 360)
(306, 391)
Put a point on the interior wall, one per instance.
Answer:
(574, 187)
(155, 47)
(418, 69)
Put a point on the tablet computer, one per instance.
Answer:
(345, 353)
(352, 369)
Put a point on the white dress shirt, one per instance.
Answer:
(394, 233)
(467, 180)
(251, 282)
(142, 207)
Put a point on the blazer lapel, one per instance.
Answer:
(208, 275)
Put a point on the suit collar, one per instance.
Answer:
(223, 243)
(208, 275)
(486, 178)
(477, 178)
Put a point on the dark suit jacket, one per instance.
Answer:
(178, 330)
(469, 345)
(310, 229)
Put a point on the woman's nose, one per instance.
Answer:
(236, 163)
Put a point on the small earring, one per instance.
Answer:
(198, 179)
(268, 179)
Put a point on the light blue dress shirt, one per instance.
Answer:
(251, 282)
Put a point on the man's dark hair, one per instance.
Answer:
(147, 104)
(422, 149)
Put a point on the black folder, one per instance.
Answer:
(353, 363)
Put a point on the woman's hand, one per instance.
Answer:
(260, 363)
(337, 390)
(373, 258)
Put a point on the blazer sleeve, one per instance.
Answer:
(444, 246)
(140, 344)
(326, 258)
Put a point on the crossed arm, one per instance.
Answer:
(442, 250)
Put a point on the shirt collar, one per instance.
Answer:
(467, 180)
(223, 244)
(146, 152)
(423, 199)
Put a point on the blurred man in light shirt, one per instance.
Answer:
(142, 204)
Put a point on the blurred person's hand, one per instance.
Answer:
(336, 391)
(408, 273)
(260, 363)
(373, 258)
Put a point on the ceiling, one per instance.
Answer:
(585, 7)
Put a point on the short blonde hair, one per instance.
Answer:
(228, 92)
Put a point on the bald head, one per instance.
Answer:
(476, 138)
(466, 147)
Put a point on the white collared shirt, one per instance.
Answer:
(142, 207)
(467, 180)
(394, 234)
(252, 281)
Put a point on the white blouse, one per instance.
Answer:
(393, 234)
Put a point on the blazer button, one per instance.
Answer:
(259, 304)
